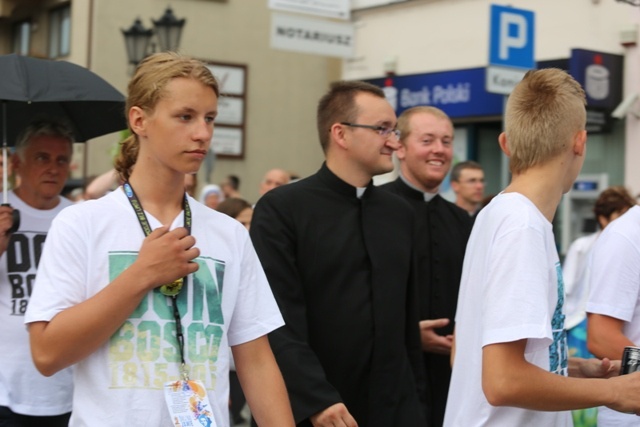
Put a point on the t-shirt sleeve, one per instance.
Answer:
(615, 276)
(61, 277)
(516, 297)
(571, 266)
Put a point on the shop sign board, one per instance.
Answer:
(511, 47)
(309, 35)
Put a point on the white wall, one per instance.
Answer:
(422, 36)
(440, 35)
(283, 88)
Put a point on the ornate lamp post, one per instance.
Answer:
(138, 39)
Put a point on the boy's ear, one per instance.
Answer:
(580, 143)
(137, 120)
(502, 140)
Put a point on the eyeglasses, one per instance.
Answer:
(383, 131)
(473, 181)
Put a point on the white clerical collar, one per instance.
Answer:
(360, 191)
(427, 196)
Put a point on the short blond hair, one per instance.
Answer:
(544, 112)
(405, 117)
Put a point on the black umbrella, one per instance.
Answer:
(32, 88)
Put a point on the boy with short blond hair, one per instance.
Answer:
(510, 365)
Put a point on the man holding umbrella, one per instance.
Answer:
(41, 161)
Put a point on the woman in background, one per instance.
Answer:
(211, 196)
(238, 209)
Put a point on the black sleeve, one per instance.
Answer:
(412, 337)
(275, 237)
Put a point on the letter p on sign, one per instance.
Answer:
(513, 33)
(511, 37)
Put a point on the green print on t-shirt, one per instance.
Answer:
(145, 353)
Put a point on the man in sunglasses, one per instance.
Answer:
(442, 231)
(337, 252)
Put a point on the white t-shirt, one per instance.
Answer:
(575, 272)
(511, 289)
(22, 387)
(615, 289)
(226, 302)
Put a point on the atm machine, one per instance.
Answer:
(576, 208)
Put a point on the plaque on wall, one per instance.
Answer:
(227, 141)
(230, 124)
(230, 111)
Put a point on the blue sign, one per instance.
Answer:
(458, 93)
(586, 185)
(511, 42)
(600, 74)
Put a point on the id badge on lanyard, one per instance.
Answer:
(186, 399)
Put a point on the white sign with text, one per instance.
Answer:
(316, 36)
(227, 141)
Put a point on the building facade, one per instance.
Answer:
(271, 120)
(435, 52)
(424, 52)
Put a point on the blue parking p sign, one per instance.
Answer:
(511, 41)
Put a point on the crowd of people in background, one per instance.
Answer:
(329, 301)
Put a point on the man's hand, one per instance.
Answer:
(6, 221)
(593, 368)
(431, 341)
(166, 255)
(625, 396)
(334, 416)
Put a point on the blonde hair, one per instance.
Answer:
(147, 87)
(404, 119)
(543, 114)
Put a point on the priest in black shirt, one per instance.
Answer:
(337, 252)
(442, 231)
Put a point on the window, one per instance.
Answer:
(59, 31)
(20, 35)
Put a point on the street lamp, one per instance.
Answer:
(137, 38)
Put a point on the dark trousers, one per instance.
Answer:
(237, 397)
(8, 418)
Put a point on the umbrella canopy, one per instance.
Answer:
(31, 88)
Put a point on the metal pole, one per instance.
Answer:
(4, 153)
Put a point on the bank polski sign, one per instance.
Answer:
(511, 47)
(308, 35)
(459, 93)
